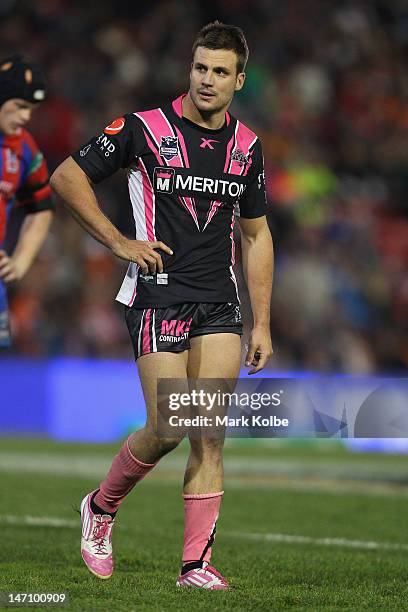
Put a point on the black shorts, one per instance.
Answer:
(169, 329)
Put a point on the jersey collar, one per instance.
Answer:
(177, 108)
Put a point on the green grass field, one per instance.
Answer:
(346, 515)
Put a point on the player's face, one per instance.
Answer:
(214, 79)
(14, 114)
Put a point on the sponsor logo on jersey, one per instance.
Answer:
(162, 278)
(239, 157)
(115, 127)
(166, 181)
(11, 162)
(105, 145)
(169, 147)
(147, 278)
(154, 279)
(207, 143)
(85, 150)
(174, 330)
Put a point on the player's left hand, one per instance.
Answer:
(259, 349)
(9, 271)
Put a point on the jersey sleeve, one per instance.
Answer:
(120, 143)
(35, 192)
(252, 203)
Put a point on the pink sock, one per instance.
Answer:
(200, 518)
(125, 472)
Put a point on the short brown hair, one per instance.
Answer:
(217, 35)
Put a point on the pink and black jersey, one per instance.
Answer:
(185, 183)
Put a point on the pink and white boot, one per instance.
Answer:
(206, 577)
(96, 542)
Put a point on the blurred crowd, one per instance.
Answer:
(326, 90)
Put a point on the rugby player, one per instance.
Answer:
(190, 163)
(23, 175)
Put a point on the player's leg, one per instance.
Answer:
(137, 457)
(143, 449)
(213, 356)
(145, 443)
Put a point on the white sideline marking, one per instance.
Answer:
(369, 478)
(52, 521)
(297, 539)
(39, 521)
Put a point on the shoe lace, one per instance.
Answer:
(100, 534)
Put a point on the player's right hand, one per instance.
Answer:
(142, 252)
(9, 271)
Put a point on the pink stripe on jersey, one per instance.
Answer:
(212, 211)
(247, 166)
(183, 146)
(132, 299)
(178, 105)
(154, 121)
(146, 334)
(232, 240)
(148, 199)
(244, 140)
(159, 126)
(152, 147)
(190, 205)
(228, 155)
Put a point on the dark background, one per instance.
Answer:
(326, 90)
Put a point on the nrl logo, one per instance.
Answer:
(169, 147)
(240, 157)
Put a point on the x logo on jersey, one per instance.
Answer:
(206, 142)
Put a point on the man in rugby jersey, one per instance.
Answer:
(23, 175)
(190, 163)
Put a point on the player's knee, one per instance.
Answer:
(165, 445)
(207, 446)
(157, 445)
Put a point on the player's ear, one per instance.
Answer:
(240, 81)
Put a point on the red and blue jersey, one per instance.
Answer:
(24, 182)
(23, 177)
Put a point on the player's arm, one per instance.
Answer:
(72, 181)
(32, 235)
(34, 196)
(257, 258)
(257, 261)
